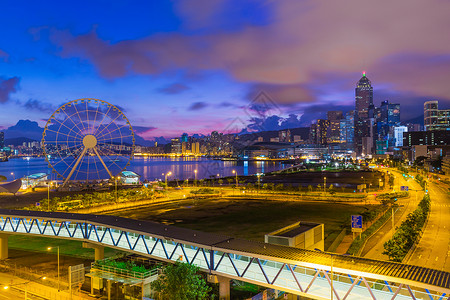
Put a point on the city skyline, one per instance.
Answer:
(175, 68)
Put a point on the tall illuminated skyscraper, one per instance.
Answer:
(363, 107)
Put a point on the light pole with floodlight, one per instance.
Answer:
(49, 249)
(167, 174)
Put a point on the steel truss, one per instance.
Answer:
(316, 281)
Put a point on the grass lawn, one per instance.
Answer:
(244, 218)
(66, 247)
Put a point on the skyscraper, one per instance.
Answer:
(321, 131)
(363, 104)
(2, 139)
(347, 129)
(387, 117)
(334, 117)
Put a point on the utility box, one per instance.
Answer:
(304, 235)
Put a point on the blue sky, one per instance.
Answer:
(196, 66)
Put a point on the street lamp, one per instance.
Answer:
(168, 174)
(234, 172)
(115, 181)
(48, 196)
(195, 172)
(259, 181)
(324, 184)
(12, 173)
(49, 249)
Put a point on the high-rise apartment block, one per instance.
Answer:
(333, 133)
(435, 118)
(284, 136)
(398, 135)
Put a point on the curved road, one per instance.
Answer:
(433, 250)
(375, 245)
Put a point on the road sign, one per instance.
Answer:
(76, 275)
(38, 204)
(356, 221)
(404, 188)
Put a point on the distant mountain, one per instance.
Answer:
(28, 131)
(25, 129)
(416, 120)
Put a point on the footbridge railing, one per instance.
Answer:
(308, 273)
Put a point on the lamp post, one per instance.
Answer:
(364, 181)
(234, 172)
(324, 184)
(259, 181)
(49, 249)
(48, 196)
(14, 176)
(168, 174)
(115, 180)
(195, 172)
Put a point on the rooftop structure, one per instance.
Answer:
(33, 180)
(129, 177)
(304, 235)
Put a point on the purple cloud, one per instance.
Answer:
(33, 104)
(198, 106)
(4, 56)
(7, 87)
(303, 44)
(143, 129)
(174, 88)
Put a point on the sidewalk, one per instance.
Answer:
(35, 288)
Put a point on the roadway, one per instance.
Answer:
(433, 250)
(375, 245)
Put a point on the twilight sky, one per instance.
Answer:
(197, 65)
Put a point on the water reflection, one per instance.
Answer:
(151, 168)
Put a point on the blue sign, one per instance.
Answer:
(38, 204)
(404, 188)
(356, 221)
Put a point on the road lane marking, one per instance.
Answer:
(436, 258)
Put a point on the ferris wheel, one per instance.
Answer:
(88, 139)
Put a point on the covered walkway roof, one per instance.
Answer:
(256, 249)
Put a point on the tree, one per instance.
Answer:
(279, 187)
(2, 178)
(181, 281)
(230, 180)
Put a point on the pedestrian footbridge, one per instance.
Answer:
(318, 275)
